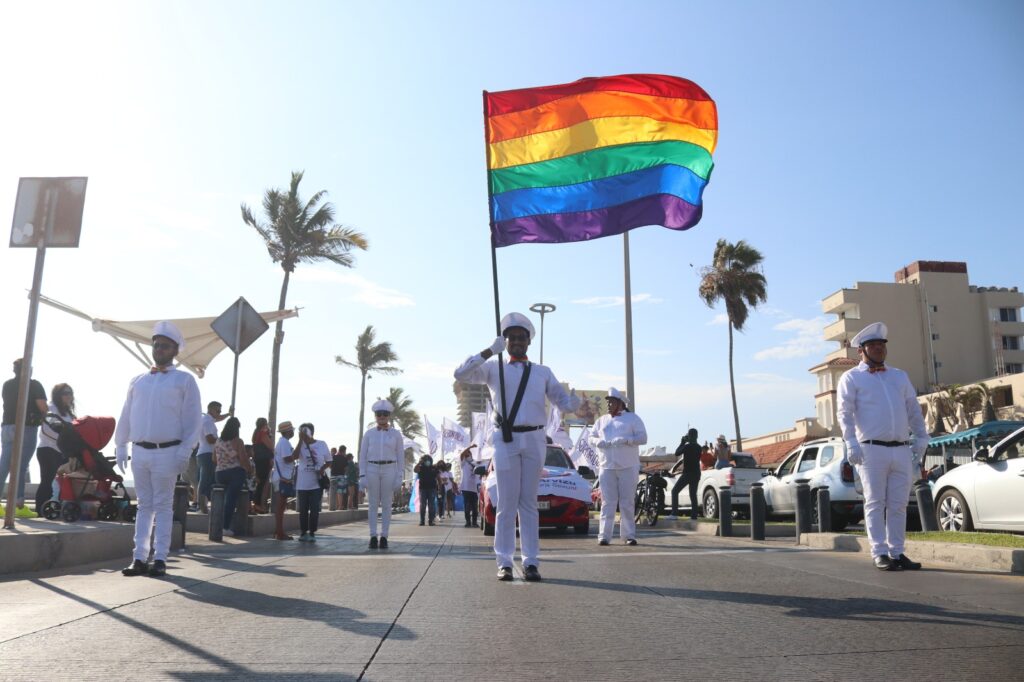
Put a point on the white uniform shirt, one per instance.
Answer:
(469, 479)
(879, 406)
(542, 383)
(160, 407)
(47, 436)
(310, 460)
(282, 470)
(381, 445)
(622, 436)
(209, 428)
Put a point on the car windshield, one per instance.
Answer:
(556, 457)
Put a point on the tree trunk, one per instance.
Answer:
(362, 408)
(732, 387)
(275, 363)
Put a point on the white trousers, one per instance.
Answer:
(380, 491)
(618, 488)
(518, 466)
(155, 472)
(886, 475)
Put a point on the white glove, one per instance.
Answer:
(618, 441)
(121, 456)
(855, 457)
(498, 345)
(918, 449)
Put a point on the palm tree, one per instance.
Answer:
(370, 357)
(299, 232)
(404, 417)
(988, 411)
(734, 277)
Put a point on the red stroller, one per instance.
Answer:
(88, 479)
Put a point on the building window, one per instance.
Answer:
(1011, 343)
(1014, 368)
(935, 337)
(1008, 315)
(935, 308)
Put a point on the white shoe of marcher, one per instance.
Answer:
(672, 517)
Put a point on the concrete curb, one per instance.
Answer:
(969, 557)
(263, 524)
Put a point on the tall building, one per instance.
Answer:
(471, 398)
(942, 329)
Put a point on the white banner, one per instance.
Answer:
(553, 481)
(433, 438)
(454, 438)
(555, 431)
(583, 454)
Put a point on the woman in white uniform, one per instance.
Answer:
(617, 436)
(381, 459)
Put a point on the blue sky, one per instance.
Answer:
(854, 138)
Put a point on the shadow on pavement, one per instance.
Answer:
(862, 609)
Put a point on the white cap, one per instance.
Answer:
(383, 406)
(165, 328)
(517, 320)
(616, 393)
(876, 331)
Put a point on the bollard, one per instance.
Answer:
(240, 519)
(332, 495)
(725, 511)
(180, 513)
(217, 513)
(757, 511)
(925, 506)
(803, 508)
(824, 509)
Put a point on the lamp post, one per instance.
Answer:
(542, 309)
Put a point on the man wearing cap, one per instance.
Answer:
(283, 472)
(161, 419)
(382, 459)
(617, 437)
(878, 410)
(519, 444)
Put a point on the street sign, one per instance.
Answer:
(239, 337)
(48, 208)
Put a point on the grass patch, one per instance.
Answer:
(993, 539)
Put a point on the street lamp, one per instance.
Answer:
(542, 309)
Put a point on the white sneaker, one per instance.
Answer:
(672, 517)
(229, 532)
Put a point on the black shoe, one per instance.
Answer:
(906, 564)
(373, 543)
(884, 563)
(505, 573)
(158, 569)
(383, 543)
(137, 567)
(603, 543)
(422, 523)
(431, 523)
(631, 542)
(468, 524)
(531, 574)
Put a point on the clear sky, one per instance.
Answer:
(854, 138)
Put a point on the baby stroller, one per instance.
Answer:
(88, 478)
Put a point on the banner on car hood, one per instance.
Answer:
(553, 481)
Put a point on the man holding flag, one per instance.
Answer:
(518, 461)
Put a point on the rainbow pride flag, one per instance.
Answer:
(597, 157)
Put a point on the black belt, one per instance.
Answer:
(387, 461)
(157, 446)
(886, 443)
(524, 429)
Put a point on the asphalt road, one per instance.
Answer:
(677, 606)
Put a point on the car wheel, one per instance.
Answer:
(583, 528)
(488, 528)
(710, 504)
(953, 512)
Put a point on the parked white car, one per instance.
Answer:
(738, 477)
(823, 463)
(986, 493)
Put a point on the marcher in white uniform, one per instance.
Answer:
(381, 459)
(617, 436)
(161, 419)
(878, 410)
(517, 464)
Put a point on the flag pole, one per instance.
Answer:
(506, 428)
(630, 394)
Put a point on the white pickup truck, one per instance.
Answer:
(739, 477)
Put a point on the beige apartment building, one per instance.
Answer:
(942, 329)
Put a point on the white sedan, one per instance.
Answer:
(986, 493)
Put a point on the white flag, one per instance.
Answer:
(555, 431)
(453, 437)
(583, 454)
(433, 438)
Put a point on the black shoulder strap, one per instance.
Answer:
(519, 395)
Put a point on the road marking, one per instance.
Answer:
(556, 555)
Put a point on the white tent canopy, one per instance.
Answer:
(201, 343)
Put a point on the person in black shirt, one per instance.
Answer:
(689, 454)
(339, 469)
(33, 418)
(428, 486)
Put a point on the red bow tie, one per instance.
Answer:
(880, 368)
(513, 358)
(161, 370)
